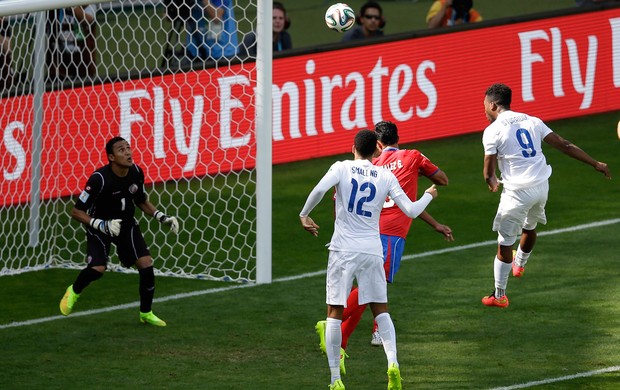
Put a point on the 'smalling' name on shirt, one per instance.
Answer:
(364, 172)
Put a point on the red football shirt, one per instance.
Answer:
(407, 165)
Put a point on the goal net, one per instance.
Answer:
(165, 75)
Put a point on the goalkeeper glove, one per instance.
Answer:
(111, 227)
(168, 220)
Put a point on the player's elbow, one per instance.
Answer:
(413, 210)
(439, 178)
(442, 181)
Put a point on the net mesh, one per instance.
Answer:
(168, 77)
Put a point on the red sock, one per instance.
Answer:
(351, 316)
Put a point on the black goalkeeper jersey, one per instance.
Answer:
(108, 196)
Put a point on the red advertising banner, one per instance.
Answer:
(198, 123)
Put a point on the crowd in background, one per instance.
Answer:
(201, 31)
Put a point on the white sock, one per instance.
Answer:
(386, 330)
(333, 339)
(521, 257)
(501, 271)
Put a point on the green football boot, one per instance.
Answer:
(68, 300)
(150, 318)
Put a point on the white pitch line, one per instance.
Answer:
(494, 242)
(560, 379)
(289, 278)
(317, 273)
(125, 306)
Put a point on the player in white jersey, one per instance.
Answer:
(513, 144)
(355, 250)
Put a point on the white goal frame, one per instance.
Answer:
(263, 121)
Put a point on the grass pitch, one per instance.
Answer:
(563, 319)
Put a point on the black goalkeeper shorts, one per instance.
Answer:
(130, 246)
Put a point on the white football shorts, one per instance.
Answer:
(343, 267)
(520, 209)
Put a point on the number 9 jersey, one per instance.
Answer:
(516, 139)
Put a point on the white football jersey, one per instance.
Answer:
(517, 139)
(361, 190)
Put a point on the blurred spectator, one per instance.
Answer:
(72, 46)
(179, 10)
(582, 3)
(178, 13)
(281, 38)
(212, 30)
(370, 23)
(451, 12)
(6, 71)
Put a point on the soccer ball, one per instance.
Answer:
(340, 17)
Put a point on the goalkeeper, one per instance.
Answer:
(106, 207)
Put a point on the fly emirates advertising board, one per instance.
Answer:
(200, 123)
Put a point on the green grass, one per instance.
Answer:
(564, 316)
(133, 41)
(209, 208)
(401, 16)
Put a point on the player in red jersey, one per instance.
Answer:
(407, 165)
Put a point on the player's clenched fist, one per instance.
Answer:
(432, 190)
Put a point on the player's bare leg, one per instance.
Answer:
(522, 254)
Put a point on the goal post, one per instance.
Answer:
(16, 7)
(263, 141)
(199, 124)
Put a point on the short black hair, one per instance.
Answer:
(109, 146)
(387, 132)
(462, 8)
(500, 94)
(366, 143)
(370, 4)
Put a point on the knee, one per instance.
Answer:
(99, 268)
(378, 309)
(144, 262)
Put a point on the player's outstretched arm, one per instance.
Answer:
(574, 151)
(413, 209)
